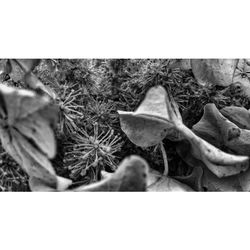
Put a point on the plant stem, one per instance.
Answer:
(165, 159)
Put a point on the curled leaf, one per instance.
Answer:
(238, 115)
(219, 162)
(142, 131)
(214, 71)
(222, 133)
(149, 124)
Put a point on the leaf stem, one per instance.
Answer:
(165, 159)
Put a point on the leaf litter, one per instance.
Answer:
(185, 123)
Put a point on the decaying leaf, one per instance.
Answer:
(149, 124)
(26, 132)
(214, 71)
(131, 175)
(161, 183)
(238, 115)
(222, 133)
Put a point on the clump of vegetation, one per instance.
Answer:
(87, 155)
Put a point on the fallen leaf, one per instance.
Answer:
(149, 125)
(238, 115)
(143, 132)
(131, 175)
(219, 162)
(222, 133)
(214, 71)
(26, 132)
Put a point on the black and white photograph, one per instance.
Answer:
(157, 125)
(124, 125)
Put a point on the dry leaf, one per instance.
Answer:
(222, 133)
(238, 115)
(214, 71)
(149, 125)
(219, 162)
(208, 181)
(143, 132)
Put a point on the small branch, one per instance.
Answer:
(165, 159)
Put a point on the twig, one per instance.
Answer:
(165, 159)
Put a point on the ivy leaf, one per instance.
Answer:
(26, 131)
(214, 71)
(149, 125)
(161, 183)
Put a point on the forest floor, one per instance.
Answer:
(90, 91)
